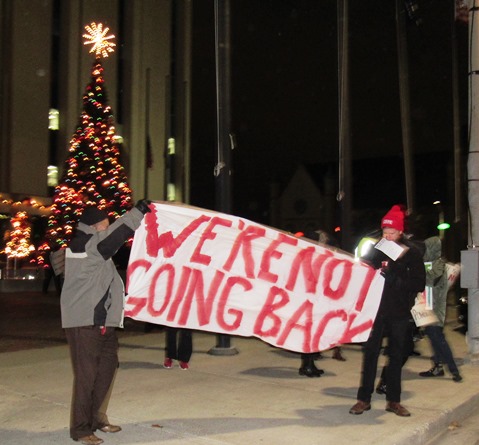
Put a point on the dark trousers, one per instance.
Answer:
(179, 344)
(398, 331)
(408, 350)
(95, 360)
(49, 275)
(442, 351)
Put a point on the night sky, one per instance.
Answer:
(285, 98)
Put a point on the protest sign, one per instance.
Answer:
(210, 271)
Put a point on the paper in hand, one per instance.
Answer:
(392, 249)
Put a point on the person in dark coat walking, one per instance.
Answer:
(308, 367)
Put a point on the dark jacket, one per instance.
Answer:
(403, 279)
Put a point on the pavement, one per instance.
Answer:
(253, 397)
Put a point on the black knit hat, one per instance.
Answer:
(92, 215)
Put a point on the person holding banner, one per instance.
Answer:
(401, 265)
(436, 278)
(92, 302)
(179, 346)
(308, 367)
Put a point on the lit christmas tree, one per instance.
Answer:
(18, 244)
(92, 173)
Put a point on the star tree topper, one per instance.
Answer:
(97, 37)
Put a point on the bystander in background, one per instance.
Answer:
(436, 278)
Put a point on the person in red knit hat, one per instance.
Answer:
(404, 277)
(394, 219)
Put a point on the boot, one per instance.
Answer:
(436, 371)
(308, 368)
(337, 354)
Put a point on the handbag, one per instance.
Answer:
(423, 316)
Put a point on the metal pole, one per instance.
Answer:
(456, 235)
(403, 67)
(344, 196)
(148, 154)
(458, 190)
(223, 169)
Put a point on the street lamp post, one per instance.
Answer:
(223, 169)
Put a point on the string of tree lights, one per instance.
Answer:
(92, 174)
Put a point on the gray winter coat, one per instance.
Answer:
(436, 277)
(90, 273)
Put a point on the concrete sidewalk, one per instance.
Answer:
(254, 397)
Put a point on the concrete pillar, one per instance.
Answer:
(146, 94)
(473, 181)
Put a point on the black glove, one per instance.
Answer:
(142, 205)
(395, 274)
(386, 272)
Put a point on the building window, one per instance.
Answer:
(52, 176)
(53, 119)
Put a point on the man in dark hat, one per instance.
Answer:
(92, 308)
(404, 277)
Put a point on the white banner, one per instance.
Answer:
(200, 269)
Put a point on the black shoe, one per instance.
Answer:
(381, 388)
(310, 371)
(436, 371)
(456, 377)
